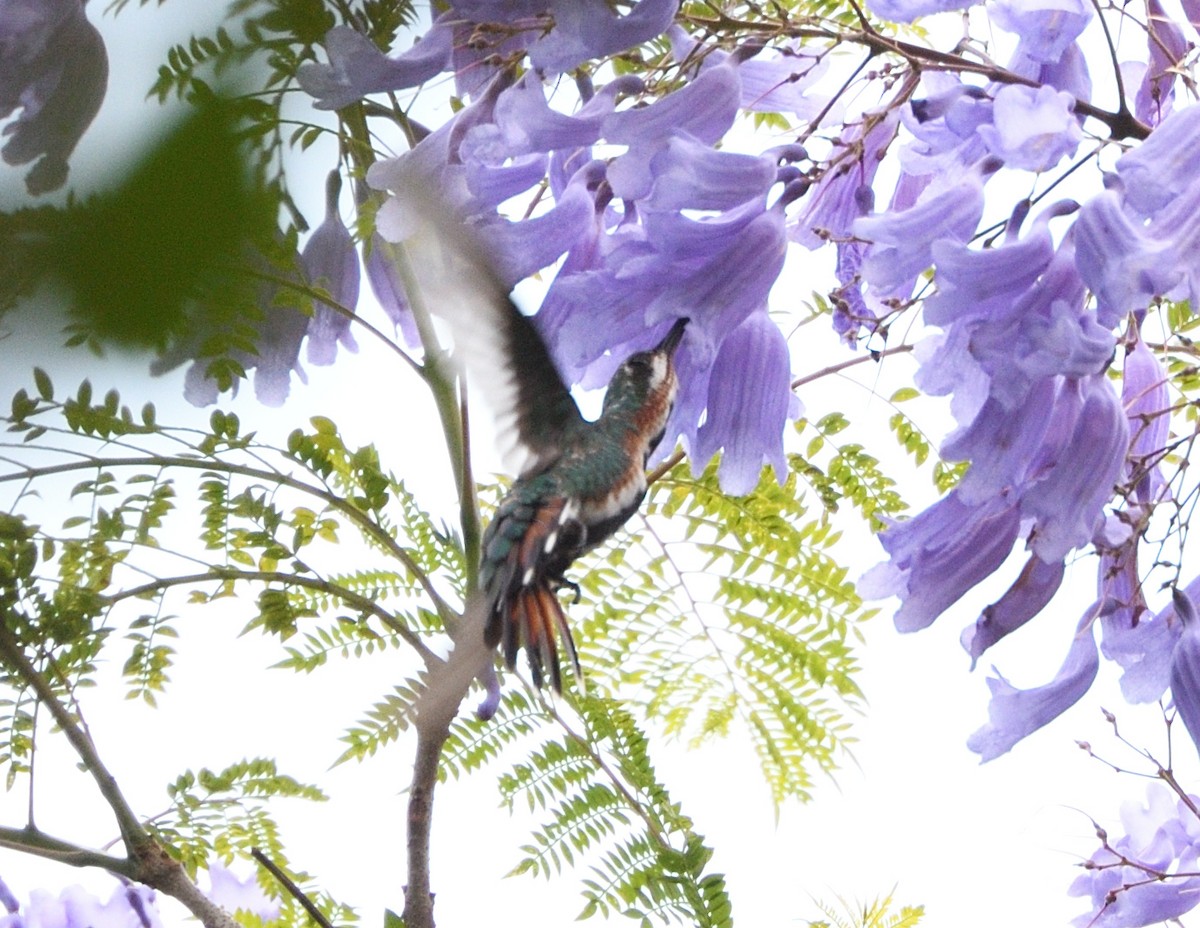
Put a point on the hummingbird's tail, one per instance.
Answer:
(533, 619)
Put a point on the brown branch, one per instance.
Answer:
(290, 885)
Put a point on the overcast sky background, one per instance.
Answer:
(988, 846)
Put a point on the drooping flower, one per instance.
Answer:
(357, 67)
(1185, 666)
(1014, 713)
(905, 11)
(54, 68)
(1147, 404)
(561, 34)
(1031, 129)
(1029, 594)
(1047, 28)
(749, 399)
(939, 555)
(1167, 47)
(331, 264)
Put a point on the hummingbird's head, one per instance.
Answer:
(644, 387)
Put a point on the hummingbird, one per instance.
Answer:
(578, 481)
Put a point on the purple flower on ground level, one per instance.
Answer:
(1014, 713)
(53, 67)
(1163, 835)
(1031, 129)
(357, 67)
(331, 264)
(240, 895)
(749, 398)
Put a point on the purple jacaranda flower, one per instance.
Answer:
(944, 122)
(1045, 332)
(905, 11)
(1004, 445)
(1119, 259)
(7, 899)
(1167, 49)
(843, 193)
(331, 264)
(851, 311)
(357, 67)
(940, 554)
(1069, 73)
(1185, 665)
(385, 282)
(1034, 587)
(525, 122)
(902, 242)
(774, 82)
(1164, 837)
(703, 109)
(1081, 472)
(53, 67)
(987, 283)
(1046, 27)
(749, 397)
(235, 894)
(1148, 407)
(1161, 168)
(1014, 713)
(1031, 129)
(273, 350)
(130, 906)
(565, 33)
(1140, 643)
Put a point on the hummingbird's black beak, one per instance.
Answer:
(674, 337)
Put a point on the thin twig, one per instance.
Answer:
(290, 885)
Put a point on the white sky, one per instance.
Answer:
(988, 846)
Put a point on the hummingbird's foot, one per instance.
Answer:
(562, 582)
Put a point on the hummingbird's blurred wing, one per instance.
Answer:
(502, 354)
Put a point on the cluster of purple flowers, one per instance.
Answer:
(129, 906)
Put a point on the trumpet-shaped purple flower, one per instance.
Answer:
(1163, 167)
(1029, 594)
(1164, 836)
(1167, 49)
(54, 69)
(331, 264)
(939, 555)
(749, 401)
(902, 242)
(1014, 713)
(1148, 407)
(844, 194)
(385, 283)
(1081, 472)
(1047, 27)
(1185, 666)
(357, 67)
(905, 11)
(1031, 129)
